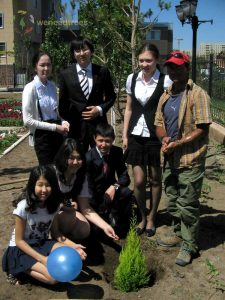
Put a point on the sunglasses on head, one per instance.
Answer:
(177, 55)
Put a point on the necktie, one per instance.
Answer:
(105, 165)
(84, 84)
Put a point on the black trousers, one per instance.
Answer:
(46, 145)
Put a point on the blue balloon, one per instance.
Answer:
(64, 264)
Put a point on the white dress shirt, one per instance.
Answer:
(143, 91)
(90, 79)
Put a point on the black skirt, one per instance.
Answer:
(46, 145)
(15, 261)
(143, 151)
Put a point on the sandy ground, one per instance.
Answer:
(200, 280)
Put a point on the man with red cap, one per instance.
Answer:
(182, 124)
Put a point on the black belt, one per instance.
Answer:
(53, 121)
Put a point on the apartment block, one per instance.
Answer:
(21, 34)
(161, 34)
(211, 48)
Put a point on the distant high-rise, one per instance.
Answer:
(211, 48)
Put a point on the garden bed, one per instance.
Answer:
(10, 112)
(203, 279)
(10, 121)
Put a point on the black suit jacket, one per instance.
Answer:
(72, 101)
(98, 183)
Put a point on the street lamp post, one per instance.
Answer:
(186, 14)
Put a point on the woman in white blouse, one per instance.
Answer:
(144, 89)
(40, 111)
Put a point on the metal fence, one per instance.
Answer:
(218, 114)
(211, 77)
(210, 71)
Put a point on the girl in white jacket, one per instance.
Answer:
(40, 111)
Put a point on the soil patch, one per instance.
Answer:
(203, 279)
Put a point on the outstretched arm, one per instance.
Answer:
(91, 215)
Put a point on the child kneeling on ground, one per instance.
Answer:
(30, 244)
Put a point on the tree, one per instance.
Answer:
(55, 46)
(132, 272)
(22, 42)
(116, 27)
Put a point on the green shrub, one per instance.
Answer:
(131, 273)
(7, 141)
(11, 122)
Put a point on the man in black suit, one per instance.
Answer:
(86, 93)
(108, 178)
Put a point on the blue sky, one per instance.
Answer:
(206, 10)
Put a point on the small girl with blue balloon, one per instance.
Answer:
(30, 244)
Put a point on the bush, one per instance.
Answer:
(7, 141)
(11, 122)
(131, 273)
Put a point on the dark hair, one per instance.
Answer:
(80, 43)
(53, 201)
(149, 47)
(105, 130)
(37, 57)
(64, 152)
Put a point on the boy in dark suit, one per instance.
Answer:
(86, 93)
(108, 178)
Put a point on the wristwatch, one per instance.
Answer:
(116, 186)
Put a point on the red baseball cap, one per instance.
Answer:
(177, 58)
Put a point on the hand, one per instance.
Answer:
(110, 192)
(74, 205)
(125, 143)
(79, 248)
(109, 231)
(63, 129)
(90, 113)
(165, 141)
(66, 124)
(43, 260)
(169, 148)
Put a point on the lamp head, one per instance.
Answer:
(186, 9)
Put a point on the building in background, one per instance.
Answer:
(211, 48)
(161, 34)
(21, 33)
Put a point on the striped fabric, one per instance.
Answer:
(84, 84)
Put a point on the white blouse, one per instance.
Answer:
(47, 98)
(143, 92)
